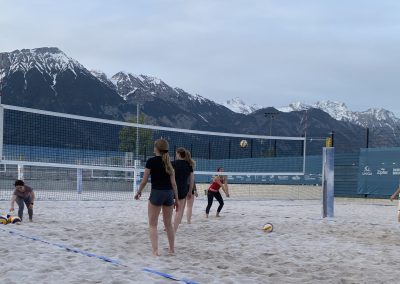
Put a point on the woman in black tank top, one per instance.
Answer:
(184, 179)
(163, 194)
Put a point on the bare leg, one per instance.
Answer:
(189, 209)
(167, 217)
(153, 212)
(179, 214)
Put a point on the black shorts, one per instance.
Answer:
(183, 193)
(159, 197)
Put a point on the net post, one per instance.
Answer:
(79, 181)
(20, 171)
(1, 129)
(136, 176)
(304, 152)
(328, 155)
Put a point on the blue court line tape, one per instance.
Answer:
(168, 276)
(89, 254)
(71, 249)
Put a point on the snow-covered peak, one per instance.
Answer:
(150, 80)
(239, 106)
(373, 117)
(296, 106)
(50, 60)
(380, 114)
(101, 76)
(337, 110)
(127, 83)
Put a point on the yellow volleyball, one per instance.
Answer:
(268, 228)
(14, 220)
(3, 220)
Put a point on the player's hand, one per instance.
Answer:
(30, 206)
(393, 197)
(11, 209)
(227, 195)
(176, 205)
(137, 195)
(196, 194)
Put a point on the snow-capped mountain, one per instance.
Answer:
(128, 84)
(373, 117)
(47, 78)
(239, 106)
(47, 60)
(141, 88)
(296, 106)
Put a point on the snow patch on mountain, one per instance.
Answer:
(373, 117)
(239, 106)
(47, 60)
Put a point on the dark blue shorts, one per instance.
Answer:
(160, 197)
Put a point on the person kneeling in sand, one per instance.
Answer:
(23, 194)
(394, 196)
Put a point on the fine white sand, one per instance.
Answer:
(359, 245)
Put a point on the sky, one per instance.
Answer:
(266, 52)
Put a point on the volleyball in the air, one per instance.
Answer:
(3, 220)
(268, 228)
(243, 144)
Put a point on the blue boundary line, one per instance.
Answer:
(89, 254)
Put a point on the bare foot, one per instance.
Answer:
(171, 252)
(189, 222)
(206, 215)
(156, 253)
(217, 215)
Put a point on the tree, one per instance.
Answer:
(129, 135)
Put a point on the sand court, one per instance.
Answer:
(359, 245)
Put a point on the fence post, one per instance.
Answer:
(328, 158)
(20, 171)
(79, 181)
(229, 149)
(1, 129)
(251, 148)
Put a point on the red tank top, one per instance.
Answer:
(215, 186)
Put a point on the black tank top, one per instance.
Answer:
(160, 179)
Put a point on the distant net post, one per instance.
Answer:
(136, 176)
(1, 129)
(328, 154)
(20, 171)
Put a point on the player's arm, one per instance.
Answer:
(395, 194)
(175, 190)
(191, 185)
(13, 199)
(225, 187)
(143, 183)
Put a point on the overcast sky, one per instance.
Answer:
(266, 52)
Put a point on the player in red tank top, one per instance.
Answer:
(213, 191)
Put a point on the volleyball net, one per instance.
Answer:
(68, 156)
